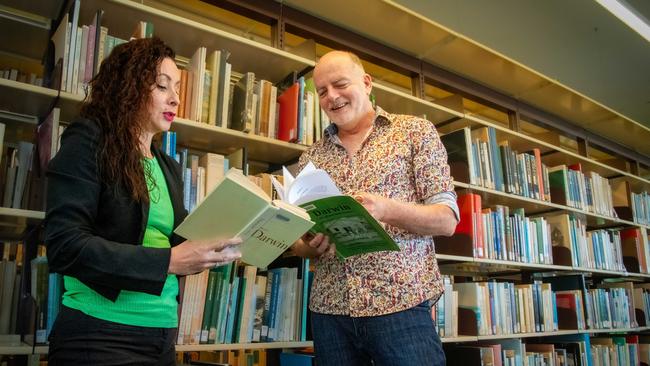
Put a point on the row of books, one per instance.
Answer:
(610, 305)
(18, 175)
(211, 92)
(239, 303)
(21, 77)
(619, 351)
(46, 291)
(235, 303)
(577, 350)
(641, 207)
(559, 303)
(554, 351)
(629, 205)
(201, 172)
(257, 357)
(15, 169)
(496, 165)
(503, 233)
(589, 192)
(498, 232)
(610, 308)
(477, 157)
(445, 311)
(80, 49)
(10, 275)
(602, 251)
(501, 308)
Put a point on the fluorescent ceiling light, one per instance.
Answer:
(628, 15)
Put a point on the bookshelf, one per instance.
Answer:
(20, 348)
(13, 222)
(397, 101)
(25, 32)
(246, 55)
(36, 100)
(224, 140)
(174, 25)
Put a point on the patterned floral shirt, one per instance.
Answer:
(403, 159)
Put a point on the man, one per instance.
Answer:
(377, 306)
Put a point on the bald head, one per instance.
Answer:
(346, 58)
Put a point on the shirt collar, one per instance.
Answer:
(381, 116)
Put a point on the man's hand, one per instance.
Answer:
(377, 206)
(311, 246)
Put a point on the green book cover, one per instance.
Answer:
(209, 305)
(347, 223)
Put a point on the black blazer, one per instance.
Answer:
(93, 230)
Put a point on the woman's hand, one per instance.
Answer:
(194, 256)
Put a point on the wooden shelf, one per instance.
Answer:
(620, 330)
(528, 335)
(24, 34)
(26, 349)
(121, 17)
(602, 271)
(458, 339)
(485, 265)
(522, 265)
(46, 9)
(13, 222)
(36, 100)
(539, 334)
(25, 98)
(238, 346)
(22, 349)
(395, 101)
(224, 140)
(453, 258)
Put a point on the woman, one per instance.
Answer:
(113, 202)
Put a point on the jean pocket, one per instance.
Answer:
(424, 305)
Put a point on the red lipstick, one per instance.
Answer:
(169, 116)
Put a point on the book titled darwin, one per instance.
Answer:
(347, 223)
(237, 207)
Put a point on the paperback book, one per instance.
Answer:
(347, 223)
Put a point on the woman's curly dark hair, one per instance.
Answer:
(119, 96)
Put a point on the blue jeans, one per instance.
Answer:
(401, 339)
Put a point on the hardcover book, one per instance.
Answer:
(239, 208)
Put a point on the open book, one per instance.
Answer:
(238, 207)
(347, 223)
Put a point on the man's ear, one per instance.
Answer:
(367, 81)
